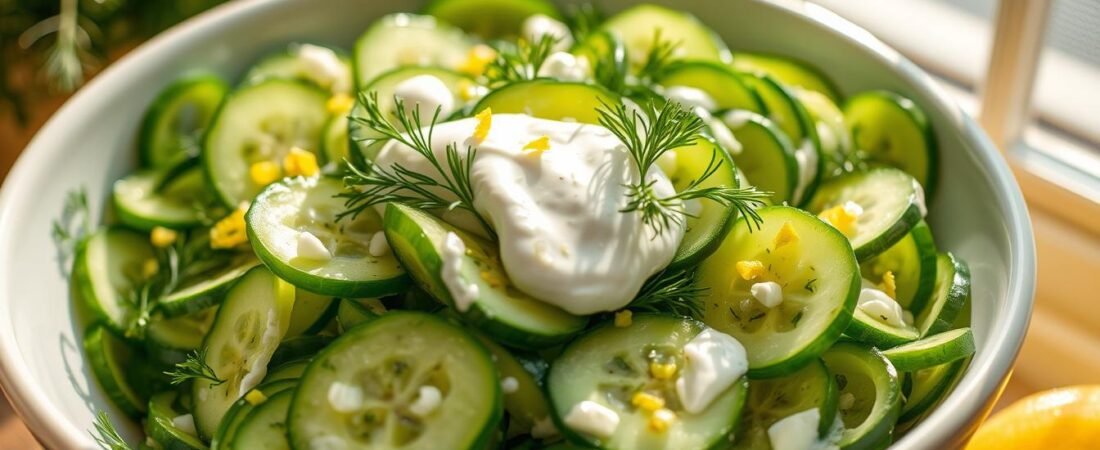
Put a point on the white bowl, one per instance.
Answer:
(978, 212)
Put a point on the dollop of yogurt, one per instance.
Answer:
(713, 361)
(563, 239)
(880, 306)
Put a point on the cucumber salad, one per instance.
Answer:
(494, 224)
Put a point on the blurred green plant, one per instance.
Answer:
(65, 40)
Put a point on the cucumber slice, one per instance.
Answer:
(490, 19)
(639, 25)
(524, 400)
(892, 203)
(311, 313)
(386, 363)
(912, 261)
(249, 325)
(399, 40)
(716, 79)
(109, 357)
(933, 350)
(792, 117)
(284, 211)
(265, 425)
(869, 330)
(107, 265)
(609, 364)
(767, 155)
(161, 427)
(335, 144)
(773, 399)
(788, 71)
(298, 347)
(240, 409)
(832, 132)
(820, 284)
(713, 221)
(206, 288)
(507, 315)
(890, 129)
(385, 84)
(172, 128)
(353, 312)
(142, 203)
(325, 67)
(951, 293)
(292, 370)
(872, 382)
(549, 99)
(261, 122)
(169, 340)
(929, 387)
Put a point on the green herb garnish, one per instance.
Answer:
(106, 435)
(520, 61)
(194, 368)
(670, 291)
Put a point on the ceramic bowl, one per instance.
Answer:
(978, 211)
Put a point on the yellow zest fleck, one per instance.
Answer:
(749, 270)
(890, 284)
(300, 162)
(537, 146)
(264, 173)
(624, 318)
(494, 278)
(230, 231)
(339, 104)
(149, 268)
(484, 122)
(647, 402)
(477, 59)
(255, 397)
(661, 420)
(662, 371)
(162, 237)
(840, 218)
(786, 235)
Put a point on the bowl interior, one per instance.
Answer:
(977, 212)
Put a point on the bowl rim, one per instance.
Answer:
(953, 420)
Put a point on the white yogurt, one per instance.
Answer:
(880, 306)
(463, 293)
(324, 67)
(713, 362)
(426, 93)
(564, 66)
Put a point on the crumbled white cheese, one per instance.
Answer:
(311, 247)
(592, 418)
(768, 293)
(379, 246)
(880, 306)
(713, 362)
(564, 66)
(185, 423)
(690, 98)
(324, 67)
(462, 292)
(345, 398)
(426, 93)
(509, 385)
(427, 401)
(539, 25)
(795, 432)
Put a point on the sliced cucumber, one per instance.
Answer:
(929, 387)
(282, 214)
(399, 40)
(298, 347)
(891, 201)
(717, 80)
(788, 71)
(328, 68)
(249, 325)
(311, 314)
(265, 425)
(820, 284)
(912, 261)
(353, 312)
(502, 312)
(875, 394)
(792, 117)
(335, 144)
(109, 356)
(292, 370)
(951, 293)
(107, 266)
(384, 86)
(550, 99)
(890, 129)
(638, 27)
(172, 128)
(490, 19)
(386, 364)
(869, 330)
(240, 409)
(707, 227)
(257, 123)
(142, 203)
(832, 132)
(169, 340)
(161, 426)
(933, 350)
(524, 400)
(610, 364)
(767, 156)
(206, 288)
(773, 399)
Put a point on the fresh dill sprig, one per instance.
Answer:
(373, 185)
(74, 223)
(147, 293)
(520, 61)
(660, 56)
(194, 368)
(106, 435)
(743, 199)
(584, 19)
(673, 292)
